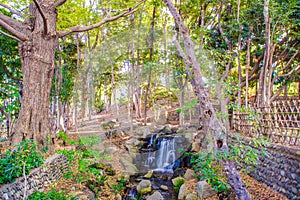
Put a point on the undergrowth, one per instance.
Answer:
(20, 161)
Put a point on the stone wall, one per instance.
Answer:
(280, 170)
(38, 179)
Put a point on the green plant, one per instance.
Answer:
(178, 184)
(247, 155)
(118, 187)
(86, 170)
(206, 168)
(52, 194)
(15, 162)
(88, 140)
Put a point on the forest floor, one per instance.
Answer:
(257, 190)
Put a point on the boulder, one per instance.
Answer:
(182, 192)
(130, 168)
(177, 180)
(149, 174)
(144, 187)
(156, 196)
(189, 174)
(164, 187)
(191, 196)
(204, 190)
(118, 197)
(123, 177)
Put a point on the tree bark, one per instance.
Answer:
(37, 57)
(211, 123)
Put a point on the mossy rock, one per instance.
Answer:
(98, 166)
(110, 171)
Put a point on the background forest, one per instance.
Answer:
(243, 51)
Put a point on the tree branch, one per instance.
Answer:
(10, 36)
(14, 32)
(11, 10)
(59, 3)
(43, 16)
(294, 70)
(105, 20)
(221, 30)
(290, 61)
(12, 22)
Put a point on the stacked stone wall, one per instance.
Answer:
(280, 170)
(38, 179)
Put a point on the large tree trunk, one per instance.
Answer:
(37, 56)
(211, 123)
(37, 38)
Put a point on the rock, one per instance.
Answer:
(111, 149)
(110, 171)
(204, 190)
(156, 196)
(149, 174)
(130, 168)
(182, 192)
(191, 196)
(144, 187)
(178, 172)
(164, 187)
(123, 177)
(189, 174)
(177, 180)
(118, 197)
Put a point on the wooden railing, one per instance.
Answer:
(280, 121)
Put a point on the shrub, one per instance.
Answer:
(52, 194)
(14, 163)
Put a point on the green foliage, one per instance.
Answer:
(64, 137)
(13, 162)
(120, 186)
(10, 77)
(188, 106)
(178, 185)
(247, 155)
(52, 194)
(86, 170)
(206, 168)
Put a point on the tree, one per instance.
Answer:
(211, 123)
(37, 36)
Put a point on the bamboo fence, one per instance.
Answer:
(280, 121)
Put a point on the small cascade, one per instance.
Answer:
(150, 159)
(152, 138)
(166, 155)
(158, 152)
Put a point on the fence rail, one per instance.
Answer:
(280, 121)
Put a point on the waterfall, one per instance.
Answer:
(166, 155)
(150, 159)
(152, 140)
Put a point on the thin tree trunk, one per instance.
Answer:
(248, 65)
(262, 98)
(150, 69)
(209, 119)
(239, 56)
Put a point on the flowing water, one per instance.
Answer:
(166, 155)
